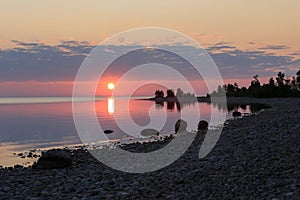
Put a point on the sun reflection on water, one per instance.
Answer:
(111, 105)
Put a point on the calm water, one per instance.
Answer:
(29, 123)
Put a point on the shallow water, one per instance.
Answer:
(42, 122)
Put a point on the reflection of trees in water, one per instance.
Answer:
(177, 104)
(159, 104)
(253, 107)
(180, 103)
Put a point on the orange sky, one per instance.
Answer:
(240, 21)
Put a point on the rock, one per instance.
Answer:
(236, 114)
(149, 132)
(29, 155)
(180, 126)
(18, 166)
(108, 131)
(54, 158)
(202, 125)
(289, 194)
(20, 154)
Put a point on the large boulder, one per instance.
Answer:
(180, 126)
(52, 159)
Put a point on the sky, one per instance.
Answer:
(43, 43)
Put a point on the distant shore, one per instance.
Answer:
(229, 100)
(256, 157)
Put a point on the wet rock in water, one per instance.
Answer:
(180, 126)
(108, 131)
(202, 125)
(149, 132)
(54, 158)
(236, 114)
(20, 154)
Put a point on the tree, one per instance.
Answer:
(280, 79)
(298, 79)
(255, 82)
(294, 83)
(221, 90)
(236, 87)
(230, 88)
(179, 92)
(271, 82)
(170, 93)
(159, 93)
(254, 88)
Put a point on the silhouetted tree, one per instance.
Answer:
(254, 88)
(170, 93)
(280, 79)
(298, 79)
(272, 82)
(179, 92)
(159, 93)
(283, 87)
(236, 87)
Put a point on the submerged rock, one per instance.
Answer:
(54, 158)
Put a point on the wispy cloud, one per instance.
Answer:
(274, 47)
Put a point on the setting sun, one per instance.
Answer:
(111, 86)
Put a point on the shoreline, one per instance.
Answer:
(257, 156)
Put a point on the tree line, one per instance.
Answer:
(171, 93)
(280, 86)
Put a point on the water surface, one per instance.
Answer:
(43, 122)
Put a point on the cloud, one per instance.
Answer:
(274, 47)
(43, 62)
(221, 47)
(297, 53)
(243, 63)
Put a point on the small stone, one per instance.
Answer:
(289, 194)
(108, 131)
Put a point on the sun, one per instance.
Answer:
(111, 86)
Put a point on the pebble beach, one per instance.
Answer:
(256, 157)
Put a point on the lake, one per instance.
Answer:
(44, 122)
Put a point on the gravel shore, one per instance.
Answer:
(256, 157)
